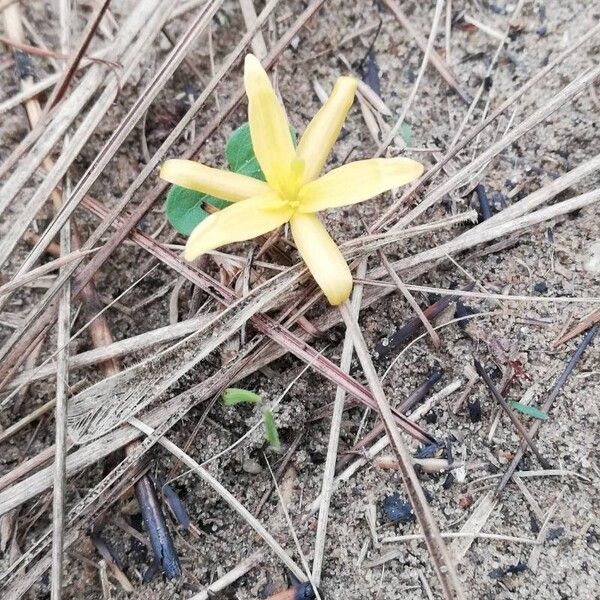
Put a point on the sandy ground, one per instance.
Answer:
(543, 262)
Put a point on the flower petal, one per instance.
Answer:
(269, 129)
(238, 222)
(322, 132)
(322, 257)
(356, 182)
(215, 182)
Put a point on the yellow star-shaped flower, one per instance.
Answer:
(293, 191)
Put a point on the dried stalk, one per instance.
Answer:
(442, 564)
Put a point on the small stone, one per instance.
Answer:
(397, 510)
(251, 466)
(475, 411)
(540, 288)
(465, 501)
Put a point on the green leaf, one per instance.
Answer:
(184, 208)
(240, 154)
(271, 429)
(530, 411)
(233, 396)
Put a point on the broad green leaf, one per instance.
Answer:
(233, 396)
(271, 429)
(184, 208)
(530, 411)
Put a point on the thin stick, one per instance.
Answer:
(443, 566)
(511, 415)
(327, 486)
(73, 65)
(435, 338)
(238, 571)
(460, 534)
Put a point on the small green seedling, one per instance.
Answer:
(530, 411)
(233, 396)
(270, 429)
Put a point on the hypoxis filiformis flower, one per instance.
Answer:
(293, 191)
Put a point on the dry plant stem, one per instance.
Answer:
(62, 365)
(436, 59)
(511, 415)
(100, 333)
(259, 48)
(443, 566)
(435, 338)
(392, 210)
(332, 447)
(60, 420)
(230, 577)
(224, 493)
(558, 386)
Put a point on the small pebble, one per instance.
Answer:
(465, 501)
(397, 510)
(541, 287)
(475, 411)
(554, 533)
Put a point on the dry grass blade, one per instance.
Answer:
(428, 56)
(469, 240)
(440, 558)
(112, 401)
(332, 447)
(145, 98)
(467, 140)
(87, 35)
(53, 265)
(53, 129)
(109, 217)
(436, 59)
(462, 177)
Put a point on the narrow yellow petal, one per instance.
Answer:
(236, 223)
(269, 129)
(322, 132)
(356, 182)
(215, 182)
(322, 257)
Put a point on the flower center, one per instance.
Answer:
(290, 183)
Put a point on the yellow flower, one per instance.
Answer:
(293, 191)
